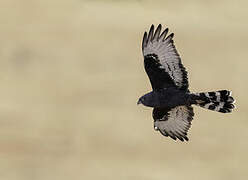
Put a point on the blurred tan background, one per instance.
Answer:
(71, 73)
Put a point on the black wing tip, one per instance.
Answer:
(163, 34)
(157, 33)
(151, 34)
(175, 137)
(166, 30)
(151, 29)
(181, 138)
(186, 138)
(171, 36)
(144, 42)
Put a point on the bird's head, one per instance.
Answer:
(147, 100)
(141, 100)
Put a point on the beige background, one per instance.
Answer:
(71, 73)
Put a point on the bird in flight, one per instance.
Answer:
(170, 97)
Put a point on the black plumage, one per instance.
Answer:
(170, 98)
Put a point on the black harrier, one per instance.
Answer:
(171, 99)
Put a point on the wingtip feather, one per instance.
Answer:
(163, 34)
(170, 36)
(157, 33)
(150, 35)
(144, 42)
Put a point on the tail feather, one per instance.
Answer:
(220, 101)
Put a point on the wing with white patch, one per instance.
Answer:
(174, 122)
(162, 61)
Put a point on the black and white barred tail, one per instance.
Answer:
(220, 101)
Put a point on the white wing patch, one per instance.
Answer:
(166, 52)
(177, 123)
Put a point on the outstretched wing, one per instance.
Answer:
(174, 122)
(162, 62)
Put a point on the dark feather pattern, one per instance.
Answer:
(167, 59)
(220, 101)
(170, 97)
(174, 122)
(156, 74)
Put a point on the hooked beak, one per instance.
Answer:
(139, 102)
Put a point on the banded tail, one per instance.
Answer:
(220, 101)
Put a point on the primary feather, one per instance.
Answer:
(160, 49)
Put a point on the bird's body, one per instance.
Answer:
(170, 98)
(166, 98)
